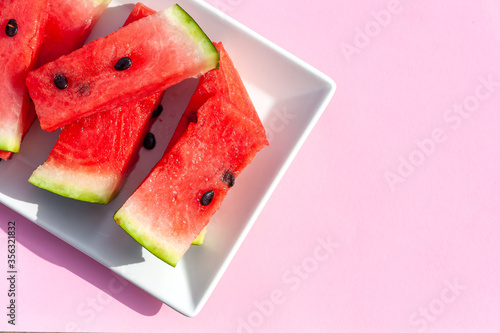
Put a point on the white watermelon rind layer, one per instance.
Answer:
(188, 24)
(75, 184)
(148, 238)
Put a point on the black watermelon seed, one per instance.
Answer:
(157, 112)
(206, 198)
(60, 81)
(11, 28)
(123, 64)
(192, 117)
(149, 141)
(228, 178)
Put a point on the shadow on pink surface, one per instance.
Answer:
(48, 247)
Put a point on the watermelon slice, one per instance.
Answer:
(68, 25)
(140, 59)
(21, 32)
(93, 155)
(187, 186)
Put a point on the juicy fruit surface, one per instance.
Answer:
(224, 81)
(27, 120)
(166, 213)
(93, 155)
(139, 11)
(5, 155)
(18, 54)
(162, 51)
(68, 26)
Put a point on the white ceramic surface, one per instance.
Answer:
(289, 96)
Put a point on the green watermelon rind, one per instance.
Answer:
(127, 222)
(43, 177)
(201, 237)
(185, 20)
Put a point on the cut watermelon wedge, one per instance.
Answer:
(68, 25)
(216, 142)
(134, 62)
(93, 156)
(21, 32)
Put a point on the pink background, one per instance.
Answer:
(401, 174)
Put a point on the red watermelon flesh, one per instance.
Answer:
(223, 81)
(187, 186)
(164, 49)
(5, 155)
(68, 25)
(93, 155)
(21, 32)
(140, 10)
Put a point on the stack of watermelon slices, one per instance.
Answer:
(140, 59)
(104, 121)
(54, 28)
(218, 135)
(94, 154)
(105, 90)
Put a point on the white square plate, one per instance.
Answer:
(289, 96)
